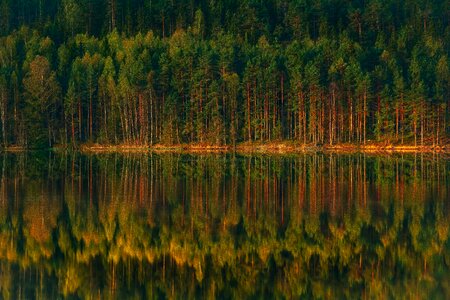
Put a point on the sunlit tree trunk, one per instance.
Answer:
(112, 14)
(365, 114)
(3, 109)
(249, 130)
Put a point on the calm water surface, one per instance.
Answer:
(224, 226)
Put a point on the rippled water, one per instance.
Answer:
(224, 226)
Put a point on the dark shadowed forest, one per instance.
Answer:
(143, 72)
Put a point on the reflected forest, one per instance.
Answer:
(224, 226)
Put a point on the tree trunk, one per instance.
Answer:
(112, 4)
(248, 113)
(80, 117)
(72, 128)
(365, 114)
(3, 106)
(90, 113)
(151, 118)
(422, 121)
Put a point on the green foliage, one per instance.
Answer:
(41, 92)
(224, 72)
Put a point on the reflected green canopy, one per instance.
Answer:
(224, 226)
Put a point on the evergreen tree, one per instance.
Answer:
(225, 72)
(41, 92)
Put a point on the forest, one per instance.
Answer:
(147, 72)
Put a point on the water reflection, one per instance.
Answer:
(228, 226)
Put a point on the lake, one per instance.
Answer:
(175, 225)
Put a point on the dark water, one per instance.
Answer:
(224, 226)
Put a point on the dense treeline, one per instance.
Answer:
(224, 72)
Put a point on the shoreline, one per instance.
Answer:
(274, 147)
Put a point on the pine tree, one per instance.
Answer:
(42, 92)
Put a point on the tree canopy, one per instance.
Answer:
(225, 72)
